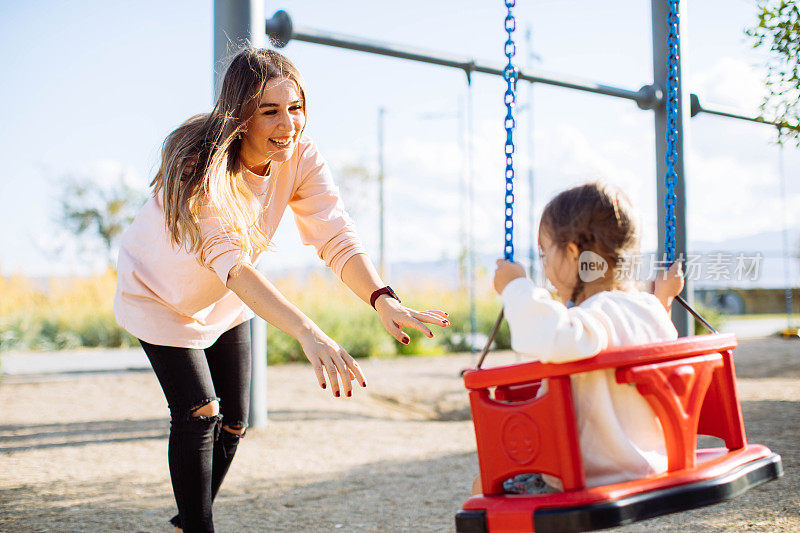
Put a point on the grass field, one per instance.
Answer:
(71, 313)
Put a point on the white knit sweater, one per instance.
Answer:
(620, 437)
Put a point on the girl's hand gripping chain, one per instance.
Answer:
(669, 285)
(505, 273)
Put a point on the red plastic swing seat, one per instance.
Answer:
(690, 384)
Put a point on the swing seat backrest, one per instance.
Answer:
(689, 383)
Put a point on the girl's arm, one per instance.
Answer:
(361, 277)
(541, 328)
(323, 352)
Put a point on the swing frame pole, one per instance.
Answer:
(681, 317)
(236, 23)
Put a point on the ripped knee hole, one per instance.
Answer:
(209, 409)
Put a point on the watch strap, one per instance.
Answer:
(380, 292)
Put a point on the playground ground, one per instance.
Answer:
(88, 453)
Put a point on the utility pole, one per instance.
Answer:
(683, 321)
(531, 190)
(381, 205)
(239, 23)
(462, 197)
(473, 313)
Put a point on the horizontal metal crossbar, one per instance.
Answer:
(280, 31)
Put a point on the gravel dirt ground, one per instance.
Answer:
(88, 453)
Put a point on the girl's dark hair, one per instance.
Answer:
(597, 217)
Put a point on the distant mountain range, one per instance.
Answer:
(770, 244)
(719, 265)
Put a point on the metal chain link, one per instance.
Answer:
(671, 177)
(510, 75)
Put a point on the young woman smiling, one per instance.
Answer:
(186, 278)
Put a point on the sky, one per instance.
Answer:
(92, 88)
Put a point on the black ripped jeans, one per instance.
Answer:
(200, 451)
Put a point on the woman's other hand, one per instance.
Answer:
(395, 316)
(505, 273)
(328, 358)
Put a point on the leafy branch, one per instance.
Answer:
(778, 30)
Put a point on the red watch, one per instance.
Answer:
(380, 292)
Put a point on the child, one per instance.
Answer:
(620, 437)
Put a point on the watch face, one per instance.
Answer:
(392, 293)
(380, 292)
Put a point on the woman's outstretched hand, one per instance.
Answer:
(395, 316)
(328, 358)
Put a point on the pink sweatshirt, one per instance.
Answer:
(171, 297)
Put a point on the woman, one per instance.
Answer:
(186, 280)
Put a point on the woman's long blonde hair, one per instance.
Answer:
(200, 159)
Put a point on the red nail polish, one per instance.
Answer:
(336, 393)
(349, 394)
(363, 383)
(406, 341)
(324, 385)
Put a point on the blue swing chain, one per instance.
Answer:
(671, 177)
(510, 75)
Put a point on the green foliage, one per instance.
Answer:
(100, 211)
(44, 333)
(67, 313)
(778, 31)
(76, 313)
(357, 329)
(711, 315)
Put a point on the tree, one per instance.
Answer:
(356, 185)
(778, 30)
(100, 209)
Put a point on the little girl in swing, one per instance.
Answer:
(620, 437)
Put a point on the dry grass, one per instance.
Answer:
(78, 312)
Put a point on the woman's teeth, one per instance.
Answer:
(283, 143)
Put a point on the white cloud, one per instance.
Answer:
(730, 197)
(730, 82)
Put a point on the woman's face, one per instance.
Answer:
(274, 129)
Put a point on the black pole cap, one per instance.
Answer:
(279, 29)
(694, 105)
(649, 97)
